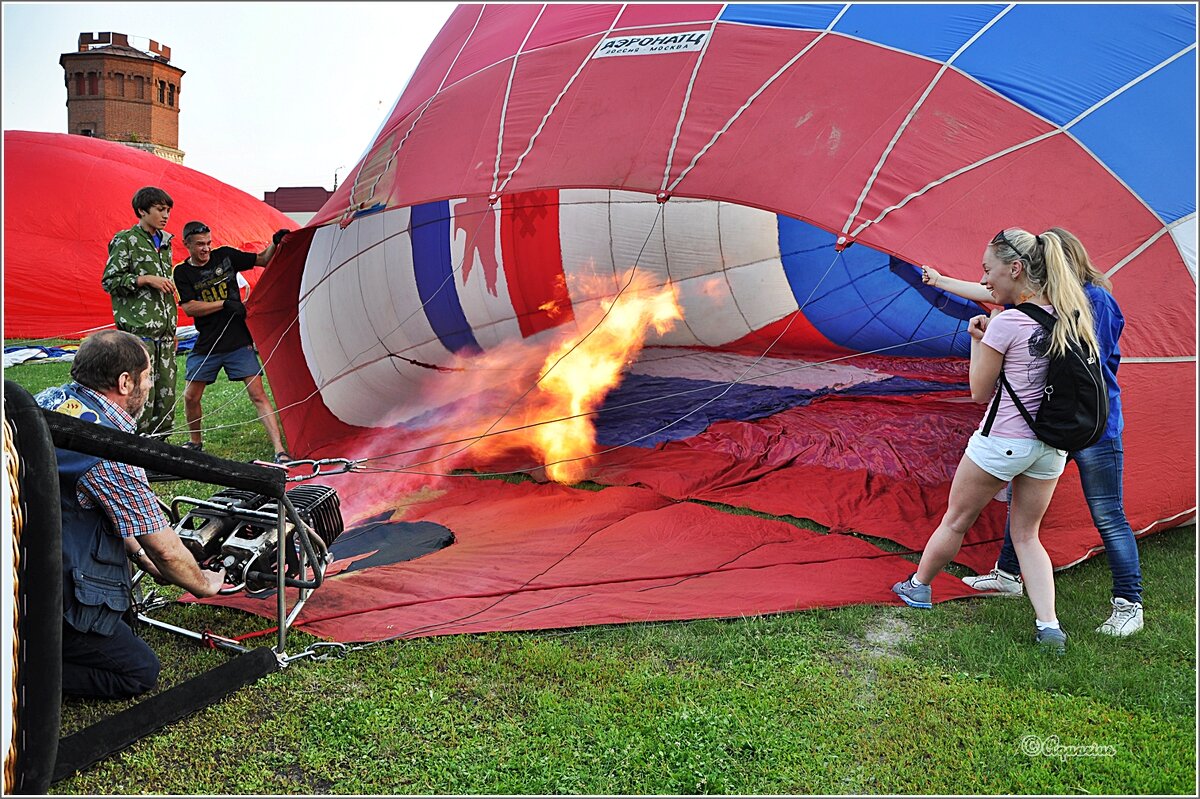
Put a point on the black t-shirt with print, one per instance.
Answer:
(216, 281)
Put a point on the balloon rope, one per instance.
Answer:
(449, 276)
(490, 431)
(309, 297)
(175, 403)
(661, 397)
(408, 469)
(526, 392)
(306, 299)
(728, 387)
(345, 372)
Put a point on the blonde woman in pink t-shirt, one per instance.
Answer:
(1017, 267)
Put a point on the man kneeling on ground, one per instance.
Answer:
(109, 514)
(208, 292)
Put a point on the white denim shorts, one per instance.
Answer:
(1005, 458)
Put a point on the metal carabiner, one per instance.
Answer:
(339, 650)
(344, 464)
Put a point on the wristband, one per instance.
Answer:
(137, 556)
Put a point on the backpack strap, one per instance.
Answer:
(1038, 314)
(991, 417)
(1024, 413)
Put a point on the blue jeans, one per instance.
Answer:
(113, 666)
(1101, 467)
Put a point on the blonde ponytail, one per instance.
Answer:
(1077, 256)
(1049, 269)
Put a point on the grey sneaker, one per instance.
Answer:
(997, 580)
(1126, 618)
(1052, 640)
(915, 596)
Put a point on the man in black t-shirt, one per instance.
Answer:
(208, 292)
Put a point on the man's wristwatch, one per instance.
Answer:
(136, 557)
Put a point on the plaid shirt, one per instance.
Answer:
(119, 489)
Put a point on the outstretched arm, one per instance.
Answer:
(266, 255)
(962, 288)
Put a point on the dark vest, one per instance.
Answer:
(96, 582)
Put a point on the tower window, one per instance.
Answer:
(139, 87)
(79, 85)
(162, 91)
(93, 83)
(119, 84)
(171, 94)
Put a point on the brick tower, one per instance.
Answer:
(123, 93)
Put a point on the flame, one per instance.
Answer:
(580, 370)
(501, 405)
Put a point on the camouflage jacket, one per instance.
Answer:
(142, 311)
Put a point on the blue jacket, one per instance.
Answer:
(1109, 323)
(97, 589)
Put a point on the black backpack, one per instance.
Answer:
(1074, 410)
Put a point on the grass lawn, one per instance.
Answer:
(858, 700)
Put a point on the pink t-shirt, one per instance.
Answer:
(1024, 344)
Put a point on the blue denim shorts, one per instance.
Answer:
(1005, 458)
(238, 364)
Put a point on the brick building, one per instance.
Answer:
(122, 93)
(300, 203)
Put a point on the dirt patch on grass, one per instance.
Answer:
(886, 635)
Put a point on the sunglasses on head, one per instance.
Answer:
(1000, 238)
(196, 231)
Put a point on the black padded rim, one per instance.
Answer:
(38, 597)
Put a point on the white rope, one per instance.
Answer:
(729, 386)
(513, 404)
(912, 112)
(310, 297)
(750, 100)
(507, 94)
(687, 98)
(1064, 129)
(1146, 244)
(1161, 359)
(550, 110)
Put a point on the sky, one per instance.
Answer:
(273, 94)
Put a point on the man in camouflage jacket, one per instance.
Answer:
(138, 276)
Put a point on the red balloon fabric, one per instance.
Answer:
(785, 169)
(64, 198)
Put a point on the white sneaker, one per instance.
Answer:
(1126, 618)
(997, 580)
